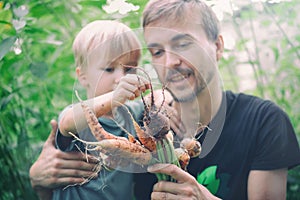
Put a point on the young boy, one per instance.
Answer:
(102, 49)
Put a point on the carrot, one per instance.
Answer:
(131, 138)
(146, 139)
(125, 149)
(96, 128)
(155, 138)
(121, 148)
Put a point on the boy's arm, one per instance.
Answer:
(130, 87)
(73, 119)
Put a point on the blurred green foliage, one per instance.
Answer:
(37, 71)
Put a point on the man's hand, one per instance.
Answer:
(55, 168)
(164, 101)
(186, 187)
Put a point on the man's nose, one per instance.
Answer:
(172, 59)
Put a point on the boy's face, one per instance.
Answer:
(184, 59)
(103, 75)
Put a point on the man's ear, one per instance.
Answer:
(81, 77)
(220, 47)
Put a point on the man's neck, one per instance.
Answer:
(197, 114)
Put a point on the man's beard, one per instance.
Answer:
(198, 88)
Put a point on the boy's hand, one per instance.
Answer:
(130, 87)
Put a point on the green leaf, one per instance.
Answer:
(276, 53)
(5, 45)
(208, 178)
(39, 69)
(39, 10)
(5, 101)
(98, 4)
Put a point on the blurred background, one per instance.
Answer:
(262, 57)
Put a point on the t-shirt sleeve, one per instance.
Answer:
(276, 146)
(136, 108)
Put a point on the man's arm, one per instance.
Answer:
(55, 168)
(264, 185)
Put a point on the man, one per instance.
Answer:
(250, 143)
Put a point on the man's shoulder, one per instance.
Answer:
(251, 102)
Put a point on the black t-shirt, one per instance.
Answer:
(248, 133)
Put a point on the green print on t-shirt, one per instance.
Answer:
(209, 179)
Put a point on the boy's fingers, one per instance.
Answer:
(143, 82)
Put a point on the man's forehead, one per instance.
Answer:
(171, 34)
(156, 31)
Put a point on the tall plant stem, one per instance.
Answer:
(270, 11)
(252, 63)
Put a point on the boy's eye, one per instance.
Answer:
(109, 69)
(128, 70)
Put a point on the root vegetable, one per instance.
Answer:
(92, 121)
(183, 157)
(192, 146)
(146, 139)
(125, 149)
(156, 139)
(121, 148)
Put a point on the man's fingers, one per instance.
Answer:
(163, 196)
(166, 186)
(77, 159)
(67, 181)
(172, 170)
(51, 137)
(177, 129)
(54, 125)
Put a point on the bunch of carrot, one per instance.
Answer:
(153, 145)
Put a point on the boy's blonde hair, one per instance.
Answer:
(109, 39)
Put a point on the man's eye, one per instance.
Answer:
(157, 52)
(183, 45)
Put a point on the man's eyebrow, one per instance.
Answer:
(153, 45)
(181, 36)
(174, 39)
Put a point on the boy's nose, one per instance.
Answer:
(118, 74)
